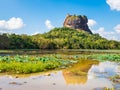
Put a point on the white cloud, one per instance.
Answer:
(114, 4)
(106, 34)
(2, 31)
(91, 22)
(48, 24)
(35, 33)
(12, 24)
(110, 35)
(100, 31)
(117, 28)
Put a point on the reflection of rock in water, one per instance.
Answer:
(78, 73)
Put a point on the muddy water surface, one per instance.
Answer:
(87, 75)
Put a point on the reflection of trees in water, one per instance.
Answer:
(77, 74)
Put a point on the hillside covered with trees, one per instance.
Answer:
(58, 38)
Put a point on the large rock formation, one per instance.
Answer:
(77, 22)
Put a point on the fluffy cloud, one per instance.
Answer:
(102, 32)
(110, 35)
(91, 22)
(48, 24)
(35, 33)
(117, 28)
(114, 4)
(12, 24)
(106, 34)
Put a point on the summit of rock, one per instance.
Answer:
(78, 22)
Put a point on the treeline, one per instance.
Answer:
(58, 38)
(13, 41)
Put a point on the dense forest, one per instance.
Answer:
(58, 38)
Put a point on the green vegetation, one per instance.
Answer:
(58, 38)
(105, 57)
(31, 64)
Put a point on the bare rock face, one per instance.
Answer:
(77, 22)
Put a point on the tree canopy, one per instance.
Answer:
(57, 38)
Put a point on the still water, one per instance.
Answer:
(87, 75)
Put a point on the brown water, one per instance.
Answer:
(87, 75)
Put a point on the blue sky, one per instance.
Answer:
(39, 16)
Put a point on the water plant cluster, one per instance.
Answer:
(103, 57)
(31, 64)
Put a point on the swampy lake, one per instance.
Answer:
(94, 70)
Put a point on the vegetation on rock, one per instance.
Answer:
(77, 22)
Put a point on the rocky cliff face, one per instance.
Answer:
(77, 22)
